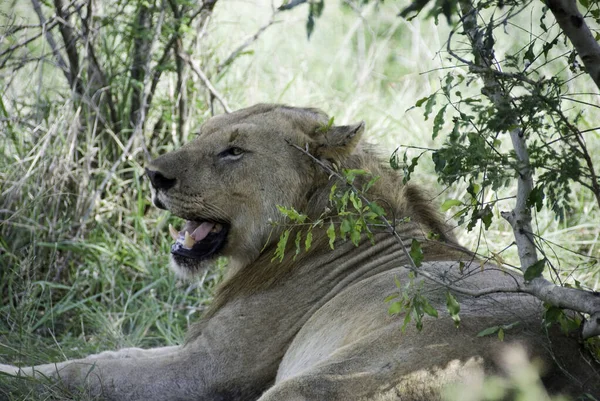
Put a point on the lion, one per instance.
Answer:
(314, 325)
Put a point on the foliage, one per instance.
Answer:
(98, 292)
(410, 301)
(346, 218)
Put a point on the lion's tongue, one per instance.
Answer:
(192, 232)
(202, 231)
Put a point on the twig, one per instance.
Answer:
(206, 81)
(248, 42)
(291, 4)
(594, 185)
(204, 10)
(96, 69)
(49, 24)
(139, 63)
(180, 66)
(46, 29)
(70, 47)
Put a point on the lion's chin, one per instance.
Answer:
(187, 268)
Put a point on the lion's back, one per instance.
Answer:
(355, 330)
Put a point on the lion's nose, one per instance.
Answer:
(159, 181)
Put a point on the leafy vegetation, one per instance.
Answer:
(83, 254)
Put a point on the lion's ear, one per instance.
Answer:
(337, 142)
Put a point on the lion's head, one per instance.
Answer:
(228, 182)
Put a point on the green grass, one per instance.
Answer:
(70, 287)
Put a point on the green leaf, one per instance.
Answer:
(501, 334)
(297, 243)
(529, 55)
(395, 308)
(407, 319)
(416, 253)
(280, 251)
(450, 203)
(332, 192)
(292, 214)
(553, 314)
(489, 331)
(410, 168)
(355, 236)
(391, 297)
(310, 25)
(351, 174)
(345, 228)
(427, 308)
(438, 122)
(486, 216)
(394, 164)
(356, 202)
(308, 240)
(325, 128)
(419, 323)
(375, 208)
(344, 201)
(535, 270)
(331, 234)
(369, 184)
(453, 308)
(429, 106)
(536, 198)
(420, 102)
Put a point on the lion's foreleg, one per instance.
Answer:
(134, 353)
(50, 368)
(131, 374)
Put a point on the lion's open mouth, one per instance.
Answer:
(198, 239)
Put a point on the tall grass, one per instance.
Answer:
(70, 287)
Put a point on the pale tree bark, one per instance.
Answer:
(520, 217)
(574, 26)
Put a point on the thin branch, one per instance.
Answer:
(248, 42)
(70, 47)
(595, 186)
(194, 66)
(96, 69)
(139, 62)
(158, 69)
(180, 66)
(204, 11)
(291, 4)
(46, 29)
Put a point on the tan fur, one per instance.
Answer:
(315, 327)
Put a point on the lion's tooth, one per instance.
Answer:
(174, 233)
(216, 228)
(189, 241)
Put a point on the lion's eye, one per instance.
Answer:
(232, 153)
